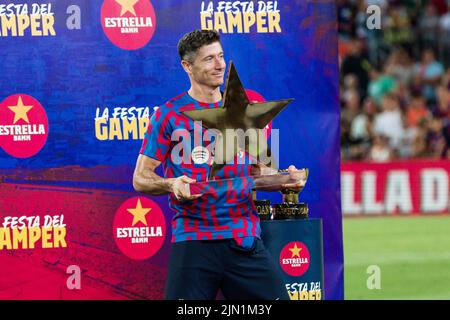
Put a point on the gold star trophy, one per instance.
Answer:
(238, 114)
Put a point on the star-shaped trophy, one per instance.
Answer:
(247, 120)
(239, 124)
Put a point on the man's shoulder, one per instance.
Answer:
(178, 102)
(174, 107)
(170, 106)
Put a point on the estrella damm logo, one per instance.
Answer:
(295, 258)
(22, 19)
(139, 228)
(129, 24)
(23, 126)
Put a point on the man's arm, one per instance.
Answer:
(145, 180)
(268, 179)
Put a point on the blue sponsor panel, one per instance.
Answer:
(296, 247)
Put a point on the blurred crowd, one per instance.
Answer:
(395, 80)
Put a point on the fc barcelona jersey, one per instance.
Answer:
(184, 147)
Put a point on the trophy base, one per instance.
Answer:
(285, 211)
(264, 209)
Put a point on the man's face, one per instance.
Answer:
(208, 68)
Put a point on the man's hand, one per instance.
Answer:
(298, 177)
(180, 187)
(269, 179)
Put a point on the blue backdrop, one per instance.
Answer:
(78, 71)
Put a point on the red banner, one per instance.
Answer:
(401, 187)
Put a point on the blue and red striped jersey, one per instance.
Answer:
(184, 147)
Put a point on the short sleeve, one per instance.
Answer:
(157, 138)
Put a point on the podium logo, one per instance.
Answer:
(128, 24)
(139, 228)
(295, 259)
(23, 126)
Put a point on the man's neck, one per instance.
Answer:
(205, 94)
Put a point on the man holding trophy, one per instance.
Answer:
(215, 229)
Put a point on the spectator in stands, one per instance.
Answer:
(428, 28)
(350, 84)
(361, 127)
(446, 134)
(397, 28)
(351, 107)
(412, 141)
(444, 37)
(417, 110)
(436, 144)
(361, 130)
(361, 30)
(346, 19)
(380, 150)
(350, 148)
(442, 108)
(380, 84)
(429, 72)
(373, 36)
(445, 82)
(389, 122)
(400, 66)
(357, 63)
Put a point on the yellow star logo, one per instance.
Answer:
(127, 6)
(295, 251)
(139, 213)
(20, 111)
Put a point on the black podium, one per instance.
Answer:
(297, 248)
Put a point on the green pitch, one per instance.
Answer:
(412, 253)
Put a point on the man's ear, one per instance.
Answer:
(186, 66)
